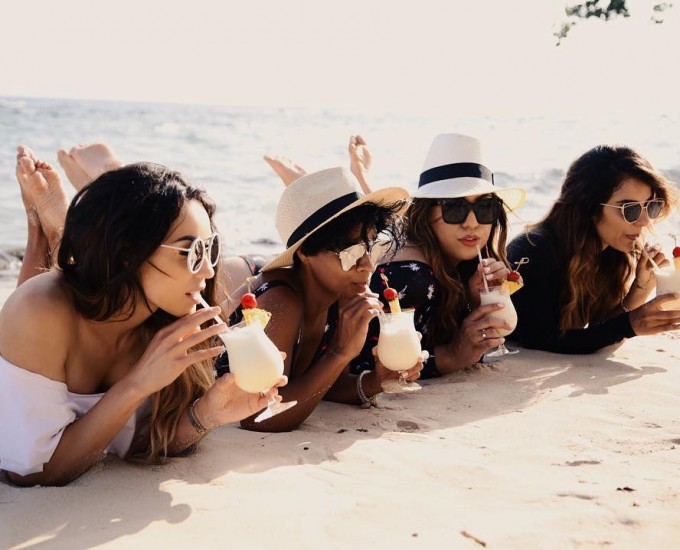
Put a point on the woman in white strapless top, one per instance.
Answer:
(106, 351)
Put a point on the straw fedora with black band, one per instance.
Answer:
(453, 168)
(315, 199)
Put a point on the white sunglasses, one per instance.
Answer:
(632, 211)
(351, 256)
(196, 252)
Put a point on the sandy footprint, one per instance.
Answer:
(41, 186)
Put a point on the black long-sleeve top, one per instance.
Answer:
(537, 303)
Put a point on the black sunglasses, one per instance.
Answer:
(456, 210)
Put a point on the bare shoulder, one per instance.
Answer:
(284, 295)
(408, 253)
(36, 326)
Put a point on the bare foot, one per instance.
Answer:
(26, 195)
(42, 187)
(360, 160)
(75, 174)
(85, 163)
(285, 168)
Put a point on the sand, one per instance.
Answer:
(539, 451)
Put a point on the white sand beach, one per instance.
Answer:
(539, 451)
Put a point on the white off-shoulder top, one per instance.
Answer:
(34, 411)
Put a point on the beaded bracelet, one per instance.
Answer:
(366, 402)
(195, 422)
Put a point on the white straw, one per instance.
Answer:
(207, 306)
(486, 285)
(656, 267)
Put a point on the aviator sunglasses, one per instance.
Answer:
(455, 211)
(350, 256)
(197, 250)
(631, 211)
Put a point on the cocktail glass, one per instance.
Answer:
(500, 295)
(398, 348)
(256, 364)
(668, 282)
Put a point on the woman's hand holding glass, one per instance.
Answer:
(225, 402)
(478, 334)
(494, 271)
(650, 318)
(383, 374)
(644, 271)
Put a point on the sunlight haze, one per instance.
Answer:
(459, 56)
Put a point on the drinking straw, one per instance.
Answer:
(656, 267)
(207, 306)
(486, 285)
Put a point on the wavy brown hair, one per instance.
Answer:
(595, 281)
(449, 313)
(112, 227)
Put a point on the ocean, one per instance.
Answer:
(220, 148)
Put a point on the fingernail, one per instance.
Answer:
(500, 305)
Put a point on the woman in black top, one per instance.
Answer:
(586, 284)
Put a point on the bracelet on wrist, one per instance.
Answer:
(366, 402)
(193, 419)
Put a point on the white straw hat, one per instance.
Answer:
(313, 200)
(454, 168)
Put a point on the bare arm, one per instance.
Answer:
(310, 387)
(83, 441)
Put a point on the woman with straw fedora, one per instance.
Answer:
(334, 235)
(456, 210)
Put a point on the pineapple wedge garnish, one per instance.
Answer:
(256, 315)
(511, 286)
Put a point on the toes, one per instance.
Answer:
(27, 165)
(49, 173)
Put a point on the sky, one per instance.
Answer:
(475, 56)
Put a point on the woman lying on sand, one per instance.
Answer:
(586, 282)
(317, 289)
(322, 301)
(455, 211)
(106, 352)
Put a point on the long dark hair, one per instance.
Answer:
(449, 313)
(595, 281)
(112, 227)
